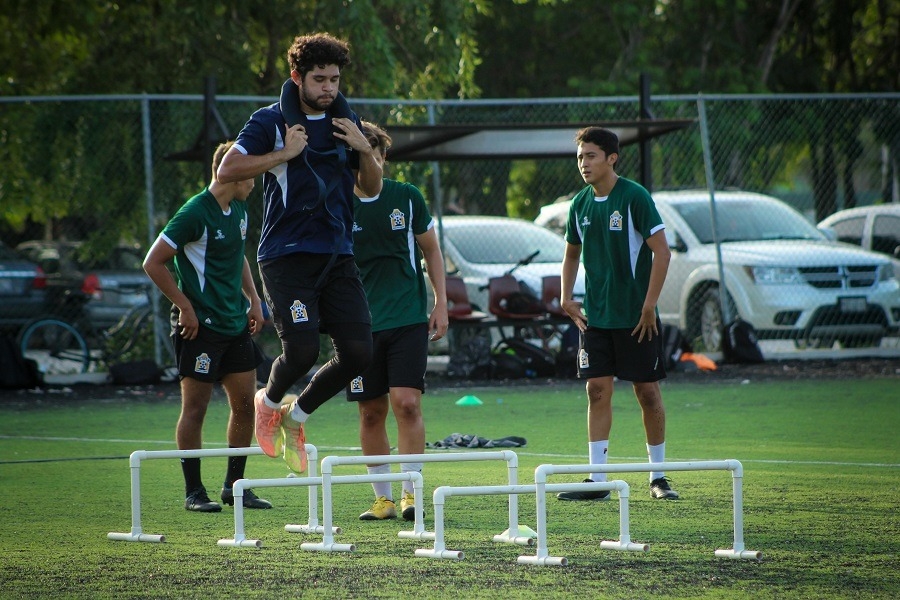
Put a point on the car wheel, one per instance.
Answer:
(712, 325)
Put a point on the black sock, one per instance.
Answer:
(235, 471)
(191, 469)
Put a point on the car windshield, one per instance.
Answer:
(746, 221)
(505, 243)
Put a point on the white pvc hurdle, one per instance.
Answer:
(514, 534)
(441, 493)
(240, 539)
(737, 474)
(137, 534)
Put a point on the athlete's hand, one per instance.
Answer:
(573, 309)
(347, 130)
(647, 325)
(188, 323)
(295, 140)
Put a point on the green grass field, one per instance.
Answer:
(821, 476)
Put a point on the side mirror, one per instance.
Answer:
(829, 233)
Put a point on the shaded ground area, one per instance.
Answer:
(772, 370)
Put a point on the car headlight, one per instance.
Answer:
(775, 275)
(886, 272)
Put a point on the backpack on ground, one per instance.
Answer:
(536, 361)
(471, 359)
(740, 344)
(674, 345)
(16, 371)
(567, 357)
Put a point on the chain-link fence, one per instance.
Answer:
(111, 170)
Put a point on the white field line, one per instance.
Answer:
(538, 454)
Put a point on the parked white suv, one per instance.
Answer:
(782, 274)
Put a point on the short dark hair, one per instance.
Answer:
(317, 49)
(218, 155)
(605, 139)
(377, 137)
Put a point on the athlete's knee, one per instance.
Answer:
(407, 407)
(353, 353)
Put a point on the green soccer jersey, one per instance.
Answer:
(388, 258)
(210, 260)
(611, 232)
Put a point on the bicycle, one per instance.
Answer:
(61, 347)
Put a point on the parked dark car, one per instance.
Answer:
(115, 281)
(22, 290)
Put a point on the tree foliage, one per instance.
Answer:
(427, 49)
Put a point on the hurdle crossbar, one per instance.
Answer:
(738, 551)
(240, 539)
(442, 493)
(134, 461)
(515, 534)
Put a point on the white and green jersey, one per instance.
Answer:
(210, 260)
(389, 261)
(611, 232)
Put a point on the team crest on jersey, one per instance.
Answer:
(356, 227)
(202, 363)
(356, 386)
(585, 221)
(398, 220)
(298, 312)
(583, 362)
(615, 221)
(244, 229)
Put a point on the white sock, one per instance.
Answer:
(410, 468)
(381, 488)
(297, 413)
(269, 403)
(597, 452)
(656, 454)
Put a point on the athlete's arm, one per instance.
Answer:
(570, 263)
(155, 267)
(658, 269)
(237, 166)
(254, 315)
(370, 173)
(434, 266)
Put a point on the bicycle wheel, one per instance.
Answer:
(56, 346)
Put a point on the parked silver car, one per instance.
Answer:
(22, 290)
(875, 228)
(115, 282)
(477, 248)
(782, 274)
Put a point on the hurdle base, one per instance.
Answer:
(416, 535)
(323, 547)
(526, 537)
(739, 554)
(625, 546)
(554, 561)
(450, 554)
(136, 537)
(235, 543)
(311, 529)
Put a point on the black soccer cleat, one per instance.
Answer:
(198, 501)
(585, 495)
(659, 489)
(250, 499)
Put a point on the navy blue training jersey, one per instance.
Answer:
(293, 219)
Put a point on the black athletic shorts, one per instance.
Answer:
(400, 358)
(615, 352)
(212, 355)
(289, 287)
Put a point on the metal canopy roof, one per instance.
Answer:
(512, 141)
